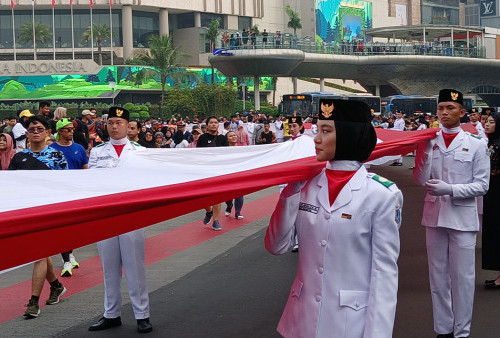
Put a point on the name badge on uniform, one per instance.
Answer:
(465, 149)
(346, 216)
(309, 208)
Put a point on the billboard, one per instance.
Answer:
(80, 86)
(342, 20)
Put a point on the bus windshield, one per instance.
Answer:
(299, 104)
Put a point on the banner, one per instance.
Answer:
(149, 186)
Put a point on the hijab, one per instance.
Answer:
(7, 154)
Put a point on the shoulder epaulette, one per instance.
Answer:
(382, 180)
(475, 136)
(100, 145)
(135, 144)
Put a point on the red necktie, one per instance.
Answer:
(337, 179)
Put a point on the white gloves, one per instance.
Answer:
(438, 188)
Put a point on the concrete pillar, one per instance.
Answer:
(452, 44)
(322, 84)
(197, 19)
(128, 37)
(164, 21)
(294, 82)
(256, 92)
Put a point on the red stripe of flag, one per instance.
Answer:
(53, 3)
(110, 3)
(91, 4)
(12, 4)
(71, 3)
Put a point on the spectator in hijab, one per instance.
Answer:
(178, 140)
(7, 150)
(242, 136)
(148, 141)
(160, 141)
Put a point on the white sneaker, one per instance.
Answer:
(73, 261)
(67, 270)
(239, 216)
(227, 213)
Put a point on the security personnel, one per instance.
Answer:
(454, 168)
(347, 221)
(127, 250)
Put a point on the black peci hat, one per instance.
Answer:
(294, 119)
(118, 112)
(451, 95)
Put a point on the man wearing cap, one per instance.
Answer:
(19, 130)
(76, 156)
(125, 251)
(186, 135)
(347, 221)
(454, 168)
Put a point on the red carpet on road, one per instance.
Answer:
(158, 247)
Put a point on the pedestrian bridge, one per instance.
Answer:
(406, 74)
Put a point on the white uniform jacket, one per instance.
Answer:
(105, 156)
(347, 277)
(466, 166)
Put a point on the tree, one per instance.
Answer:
(294, 22)
(99, 32)
(42, 34)
(213, 32)
(164, 59)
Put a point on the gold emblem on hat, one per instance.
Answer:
(473, 110)
(294, 119)
(119, 112)
(326, 110)
(454, 96)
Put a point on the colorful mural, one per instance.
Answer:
(51, 87)
(342, 20)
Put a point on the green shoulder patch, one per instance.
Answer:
(135, 144)
(476, 136)
(100, 145)
(382, 180)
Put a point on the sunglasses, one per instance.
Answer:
(38, 130)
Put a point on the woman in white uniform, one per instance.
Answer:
(347, 221)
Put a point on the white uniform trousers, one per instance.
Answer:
(451, 256)
(127, 251)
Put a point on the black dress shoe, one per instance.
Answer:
(492, 286)
(448, 335)
(489, 281)
(106, 323)
(144, 326)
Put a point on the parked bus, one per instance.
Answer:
(411, 104)
(307, 104)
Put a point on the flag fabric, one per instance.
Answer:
(91, 4)
(71, 3)
(12, 4)
(53, 3)
(149, 186)
(110, 3)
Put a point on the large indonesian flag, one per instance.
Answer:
(39, 208)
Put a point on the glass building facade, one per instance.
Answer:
(62, 23)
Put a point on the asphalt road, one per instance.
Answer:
(237, 289)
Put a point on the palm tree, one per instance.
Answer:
(294, 22)
(163, 58)
(213, 32)
(42, 34)
(99, 32)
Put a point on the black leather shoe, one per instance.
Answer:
(144, 325)
(491, 286)
(106, 323)
(489, 281)
(448, 335)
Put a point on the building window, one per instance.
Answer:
(206, 18)
(472, 15)
(244, 22)
(145, 24)
(440, 15)
(185, 20)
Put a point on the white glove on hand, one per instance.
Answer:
(438, 188)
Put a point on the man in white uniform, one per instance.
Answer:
(126, 250)
(399, 124)
(454, 168)
(474, 120)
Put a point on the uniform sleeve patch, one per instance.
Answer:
(476, 136)
(398, 215)
(382, 180)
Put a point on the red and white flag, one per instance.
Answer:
(91, 4)
(53, 3)
(149, 186)
(12, 4)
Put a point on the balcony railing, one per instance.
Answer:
(288, 41)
